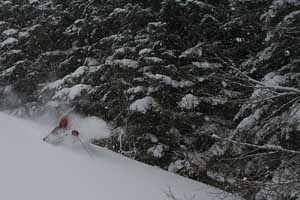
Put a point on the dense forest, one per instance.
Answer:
(206, 89)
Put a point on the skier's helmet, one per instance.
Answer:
(63, 123)
(75, 133)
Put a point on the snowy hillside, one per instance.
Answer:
(206, 89)
(33, 170)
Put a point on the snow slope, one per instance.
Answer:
(33, 170)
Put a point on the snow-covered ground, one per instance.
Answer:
(34, 170)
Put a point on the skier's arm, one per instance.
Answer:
(54, 130)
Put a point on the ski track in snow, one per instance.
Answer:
(34, 170)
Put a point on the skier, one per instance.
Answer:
(58, 134)
(62, 127)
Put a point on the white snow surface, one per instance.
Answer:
(10, 32)
(33, 170)
(9, 41)
(71, 93)
(168, 81)
(189, 102)
(68, 78)
(90, 62)
(145, 51)
(33, 1)
(126, 63)
(23, 34)
(117, 11)
(136, 89)
(144, 104)
(156, 151)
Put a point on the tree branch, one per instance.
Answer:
(269, 147)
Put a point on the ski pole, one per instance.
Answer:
(88, 152)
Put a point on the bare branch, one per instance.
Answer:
(294, 100)
(253, 155)
(271, 183)
(269, 147)
(277, 88)
(259, 84)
